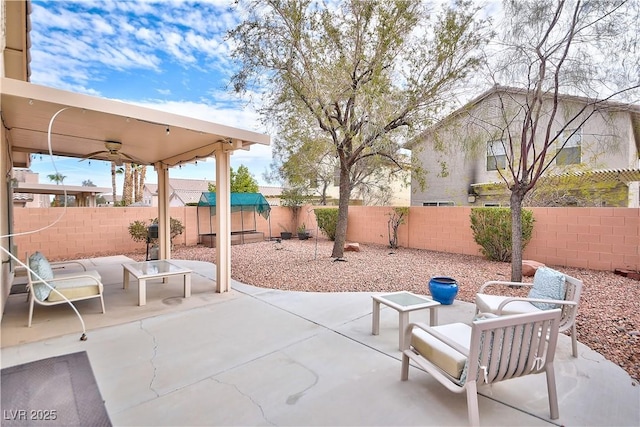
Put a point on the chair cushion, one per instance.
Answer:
(440, 354)
(547, 284)
(39, 264)
(489, 304)
(77, 287)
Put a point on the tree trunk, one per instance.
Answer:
(141, 178)
(113, 182)
(127, 186)
(343, 213)
(135, 177)
(516, 236)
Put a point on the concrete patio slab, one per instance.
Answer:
(264, 357)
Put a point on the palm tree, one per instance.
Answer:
(114, 171)
(140, 172)
(127, 186)
(57, 178)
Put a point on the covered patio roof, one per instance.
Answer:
(40, 119)
(84, 123)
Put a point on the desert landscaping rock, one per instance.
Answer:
(609, 306)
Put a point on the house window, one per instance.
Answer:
(438, 203)
(496, 155)
(571, 153)
(336, 177)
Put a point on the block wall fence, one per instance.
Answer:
(593, 238)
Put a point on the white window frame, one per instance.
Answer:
(496, 150)
(574, 143)
(435, 203)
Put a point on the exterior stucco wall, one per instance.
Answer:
(461, 159)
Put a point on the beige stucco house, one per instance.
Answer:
(464, 154)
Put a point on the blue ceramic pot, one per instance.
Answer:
(443, 289)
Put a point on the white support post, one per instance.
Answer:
(164, 223)
(223, 218)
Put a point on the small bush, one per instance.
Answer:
(138, 229)
(327, 219)
(396, 219)
(492, 230)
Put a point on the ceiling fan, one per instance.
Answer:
(113, 154)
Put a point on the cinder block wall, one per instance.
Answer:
(594, 238)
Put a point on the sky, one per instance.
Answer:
(167, 55)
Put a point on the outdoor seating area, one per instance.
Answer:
(550, 289)
(71, 282)
(255, 356)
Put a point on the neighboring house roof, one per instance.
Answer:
(22, 197)
(55, 189)
(634, 110)
(109, 198)
(188, 196)
(190, 190)
(270, 191)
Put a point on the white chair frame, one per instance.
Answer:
(511, 333)
(569, 304)
(89, 280)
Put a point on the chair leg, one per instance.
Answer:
(102, 302)
(551, 390)
(574, 340)
(472, 403)
(31, 303)
(404, 373)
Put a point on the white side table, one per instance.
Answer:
(403, 302)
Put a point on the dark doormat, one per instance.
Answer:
(58, 391)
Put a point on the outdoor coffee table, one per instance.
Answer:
(403, 302)
(147, 270)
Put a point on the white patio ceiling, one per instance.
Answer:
(148, 135)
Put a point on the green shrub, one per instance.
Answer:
(492, 230)
(138, 229)
(327, 219)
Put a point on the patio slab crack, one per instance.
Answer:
(152, 359)
(241, 393)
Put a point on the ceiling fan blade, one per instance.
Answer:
(91, 155)
(133, 159)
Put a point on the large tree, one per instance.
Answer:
(369, 75)
(241, 181)
(550, 49)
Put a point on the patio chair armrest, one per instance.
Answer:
(502, 283)
(443, 338)
(546, 301)
(60, 263)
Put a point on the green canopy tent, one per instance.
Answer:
(240, 203)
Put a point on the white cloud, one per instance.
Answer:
(85, 46)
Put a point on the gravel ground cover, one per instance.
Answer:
(608, 317)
